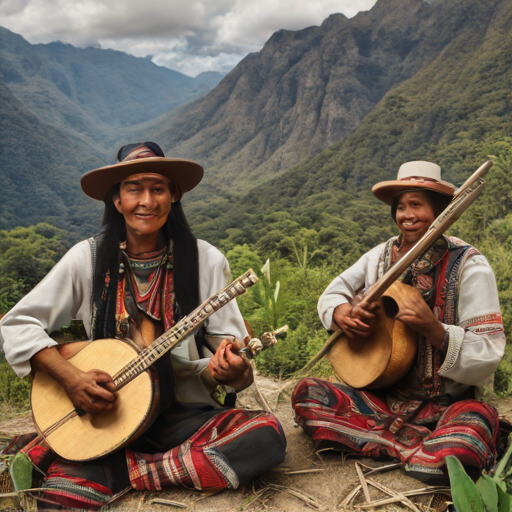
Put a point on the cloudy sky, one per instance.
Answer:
(186, 35)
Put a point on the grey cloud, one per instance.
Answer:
(10, 7)
(187, 35)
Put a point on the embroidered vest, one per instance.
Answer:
(436, 275)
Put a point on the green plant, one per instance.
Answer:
(13, 390)
(488, 494)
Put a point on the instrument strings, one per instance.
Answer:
(187, 324)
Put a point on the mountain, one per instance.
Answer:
(456, 111)
(62, 111)
(308, 89)
(90, 91)
(40, 170)
(451, 63)
(209, 79)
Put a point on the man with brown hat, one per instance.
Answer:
(134, 281)
(433, 411)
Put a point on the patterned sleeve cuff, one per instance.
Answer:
(455, 338)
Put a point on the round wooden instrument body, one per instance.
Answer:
(81, 438)
(386, 356)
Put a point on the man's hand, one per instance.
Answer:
(92, 391)
(229, 368)
(419, 317)
(355, 319)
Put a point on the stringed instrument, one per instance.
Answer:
(77, 436)
(388, 354)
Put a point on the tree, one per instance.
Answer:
(26, 256)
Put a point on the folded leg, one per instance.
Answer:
(468, 430)
(230, 449)
(356, 422)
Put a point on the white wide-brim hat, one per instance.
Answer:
(417, 174)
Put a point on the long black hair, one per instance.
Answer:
(108, 258)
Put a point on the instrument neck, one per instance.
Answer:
(464, 197)
(182, 329)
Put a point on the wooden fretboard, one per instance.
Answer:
(182, 329)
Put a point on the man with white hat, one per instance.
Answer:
(433, 411)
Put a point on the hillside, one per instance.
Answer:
(321, 215)
(302, 92)
(61, 110)
(454, 111)
(91, 91)
(40, 170)
(318, 218)
(308, 89)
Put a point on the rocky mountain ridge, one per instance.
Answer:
(308, 89)
(90, 91)
(457, 111)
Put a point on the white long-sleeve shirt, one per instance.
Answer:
(476, 344)
(66, 294)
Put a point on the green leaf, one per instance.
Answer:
(505, 501)
(466, 497)
(21, 472)
(503, 464)
(488, 490)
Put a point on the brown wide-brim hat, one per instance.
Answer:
(413, 175)
(142, 158)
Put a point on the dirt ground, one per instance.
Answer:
(322, 489)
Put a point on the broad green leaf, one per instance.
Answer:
(21, 472)
(505, 501)
(466, 497)
(488, 490)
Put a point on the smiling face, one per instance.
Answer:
(145, 201)
(414, 215)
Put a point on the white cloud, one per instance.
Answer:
(187, 35)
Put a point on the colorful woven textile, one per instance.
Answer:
(360, 423)
(72, 491)
(229, 449)
(146, 284)
(436, 276)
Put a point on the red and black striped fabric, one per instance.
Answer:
(360, 423)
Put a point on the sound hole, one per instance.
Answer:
(390, 307)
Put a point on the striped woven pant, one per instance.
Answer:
(229, 449)
(360, 423)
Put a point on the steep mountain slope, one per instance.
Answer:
(92, 91)
(40, 170)
(308, 89)
(456, 111)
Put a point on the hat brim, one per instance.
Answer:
(387, 190)
(185, 173)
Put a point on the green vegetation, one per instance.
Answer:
(339, 237)
(488, 494)
(26, 256)
(318, 218)
(13, 390)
